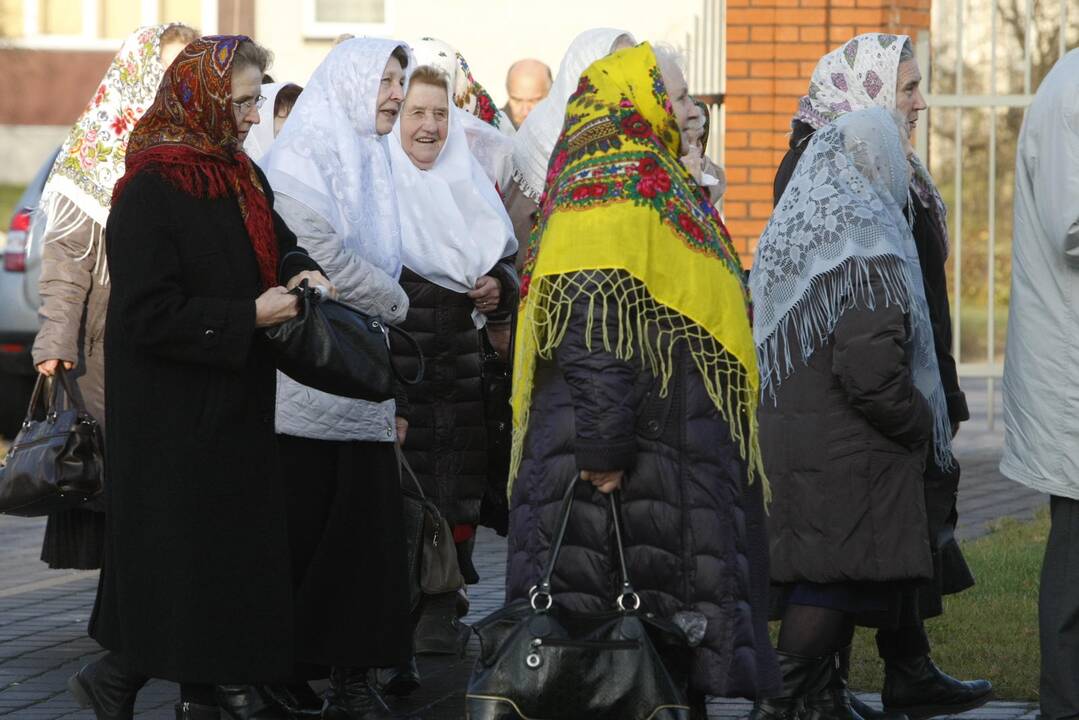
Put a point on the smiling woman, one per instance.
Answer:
(425, 116)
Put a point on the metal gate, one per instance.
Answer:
(1013, 41)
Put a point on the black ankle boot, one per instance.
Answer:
(802, 677)
(108, 687)
(865, 711)
(916, 687)
(400, 681)
(247, 702)
(351, 697)
(298, 699)
(193, 711)
(832, 700)
(438, 631)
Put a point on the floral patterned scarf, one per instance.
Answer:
(189, 137)
(863, 74)
(619, 202)
(91, 159)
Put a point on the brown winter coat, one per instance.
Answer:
(73, 302)
(844, 447)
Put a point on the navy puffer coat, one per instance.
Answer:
(694, 527)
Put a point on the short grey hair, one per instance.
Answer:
(907, 53)
(667, 53)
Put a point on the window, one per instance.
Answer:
(330, 18)
(99, 24)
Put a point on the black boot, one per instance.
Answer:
(865, 711)
(108, 687)
(438, 631)
(298, 699)
(193, 711)
(916, 687)
(247, 702)
(802, 677)
(400, 681)
(351, 697)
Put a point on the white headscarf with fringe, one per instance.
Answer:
(91, 159)
(839, 226)
(535, 139)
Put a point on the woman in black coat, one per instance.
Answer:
(196, 586)
(913, 684)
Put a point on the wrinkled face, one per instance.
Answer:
(425, 121)
(526, 85)
(908, 93)
(391, 92)
(169, 51)
(685, 111)
(246, 85)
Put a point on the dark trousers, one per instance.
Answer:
(1058, 613)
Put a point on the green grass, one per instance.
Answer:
(991, 630)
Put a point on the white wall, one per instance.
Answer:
(491, 34)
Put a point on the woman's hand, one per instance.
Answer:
(606, 482)
(487, 294)
(314, 279)
(48, 367)
(275, 306)
(402, 429)
(692, 161)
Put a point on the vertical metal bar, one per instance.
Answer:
(1026, 50)
(91, 17)
(719, 129)
(31, 23)
(690, 80)
(149, 11)
(990, 330)
(957, 241)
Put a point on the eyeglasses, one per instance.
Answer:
(246, 105)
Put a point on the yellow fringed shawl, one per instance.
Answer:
(619, 201)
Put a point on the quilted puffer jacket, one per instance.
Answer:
(694, 527)
(303, 411)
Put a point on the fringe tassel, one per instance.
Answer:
(63, 218)
(643, 328)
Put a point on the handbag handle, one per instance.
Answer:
(50, 405)
(403, 461)
(541, 595)
(315, 294)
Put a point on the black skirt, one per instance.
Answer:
(348, 553)
(74, 539)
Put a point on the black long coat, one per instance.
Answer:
(446, 443)
(694, 526)
(196, 585)
(951, 573)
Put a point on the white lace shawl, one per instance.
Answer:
(535, 139)
(454, 227)
(330, 157)
(261, 136)
(838, 226)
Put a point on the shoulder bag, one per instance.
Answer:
(56, 462)
(538, 660)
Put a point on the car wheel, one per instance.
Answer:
(15, 393)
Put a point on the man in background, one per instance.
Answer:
(527, 82)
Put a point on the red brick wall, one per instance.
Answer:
(772, 48)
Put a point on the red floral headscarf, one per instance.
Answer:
(189, 137)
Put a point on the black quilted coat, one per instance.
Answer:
(446, 443)
(694, 527)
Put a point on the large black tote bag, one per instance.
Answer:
(538, 661)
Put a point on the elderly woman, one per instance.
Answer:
(277, 103)
(852, 401)
(195, 587)
(457, 250)
(635, 371)
(330, 167)
(879, 70)
(468, 94)
(74, 275)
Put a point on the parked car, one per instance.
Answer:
(19, 321)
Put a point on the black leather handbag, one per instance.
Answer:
(431, 553)
(334, 347)
(56, 462)
(538, 660)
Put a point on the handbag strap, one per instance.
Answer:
(64, 384)
(403, 462)
(35, 399)
(541, 595)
